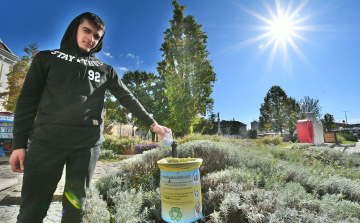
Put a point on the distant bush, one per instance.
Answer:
(291, 138)
(271, 140)
(349, 137)
(340, 138)
(118, 146)
(295, 137)
(252, 134)
(197, 136)
(140, 148)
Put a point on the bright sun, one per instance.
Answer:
(281, 27)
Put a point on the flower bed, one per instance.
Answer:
(118, 146)
(239, 184)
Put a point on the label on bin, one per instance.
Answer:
(181, 196)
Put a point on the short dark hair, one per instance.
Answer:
(93, 19)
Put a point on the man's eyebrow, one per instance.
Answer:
(87, 28)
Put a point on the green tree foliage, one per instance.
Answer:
(235, 128)
(16, 77)
(113, 112)
(293, 114)
(279, 111)
(214, 127)
(188, 75)
(328, 122)
(273, 110)
(310, 105)
(203, 125)
(148, 88)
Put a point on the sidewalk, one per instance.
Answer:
(349, 149)
(10, 197)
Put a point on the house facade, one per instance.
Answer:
(7, 59)
(226, 127)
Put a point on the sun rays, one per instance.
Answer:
(283, 30)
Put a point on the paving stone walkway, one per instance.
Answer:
(349, 148)
(10, 198)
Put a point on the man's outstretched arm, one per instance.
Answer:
(127, 99)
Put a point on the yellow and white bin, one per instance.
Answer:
(180, 189)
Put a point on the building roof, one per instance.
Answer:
(5, 52)
(4, 47)
(229, 123)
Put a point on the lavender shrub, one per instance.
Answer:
(140, 148)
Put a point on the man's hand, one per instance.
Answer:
(158, 129)
(17, 159)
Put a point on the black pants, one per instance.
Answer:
(43, 168)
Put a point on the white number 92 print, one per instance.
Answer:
(94, 76)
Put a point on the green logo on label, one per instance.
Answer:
(177, 213)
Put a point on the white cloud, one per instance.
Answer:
(137, 58)
(130, 55)
(122, 69)
(138, 61)
(107, 55)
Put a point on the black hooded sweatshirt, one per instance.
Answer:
(64, 89)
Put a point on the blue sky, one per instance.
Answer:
(319, 59)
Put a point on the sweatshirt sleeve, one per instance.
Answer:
(28, 101)
(127, 99)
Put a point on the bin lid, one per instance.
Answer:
(179, 164)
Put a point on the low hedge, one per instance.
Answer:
(197, 136)
(349, 137)
(239, 184)
(140, 148)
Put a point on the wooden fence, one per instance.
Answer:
(330, 137)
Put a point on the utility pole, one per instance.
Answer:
(345, 117)
(219, 131)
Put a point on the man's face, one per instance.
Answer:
(88, 36)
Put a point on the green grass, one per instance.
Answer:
(284, 145)
(348, 142)
(117, 159)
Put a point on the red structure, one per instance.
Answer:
(305, 131)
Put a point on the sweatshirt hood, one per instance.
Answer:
(69, 41)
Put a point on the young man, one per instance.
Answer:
(65, 89)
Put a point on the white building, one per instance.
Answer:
(7, 59)
(255, 125)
